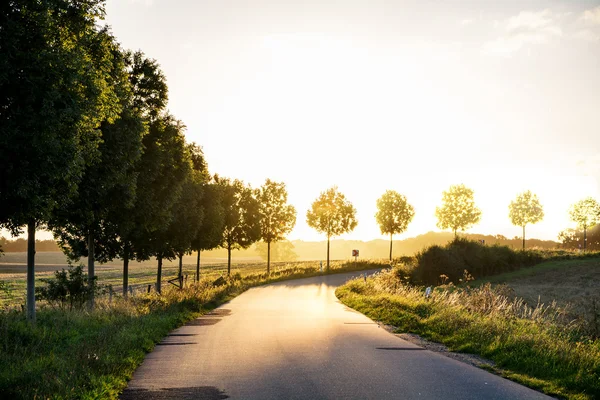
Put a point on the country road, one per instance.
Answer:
(295, 340)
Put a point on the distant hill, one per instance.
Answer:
(340, 249)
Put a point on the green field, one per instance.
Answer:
(141, 274)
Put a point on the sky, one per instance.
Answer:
(412, 96)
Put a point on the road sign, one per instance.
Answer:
(354, 253)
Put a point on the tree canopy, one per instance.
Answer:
(277, 217)
(458, 210)
(525, 209)
(332, 214)
(585, 213)
(394, 213)
(241, 227)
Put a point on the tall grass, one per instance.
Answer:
(536, 346)
(80, 354)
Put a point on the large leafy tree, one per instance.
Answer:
(210, 233)
(458, 210)
(332, 214)
(241, 225)
(394, 214)
(525, 209)
(188, 212)
(585, 213)
(162, 172)
(83, 225)
(277, 217)
(55, 89)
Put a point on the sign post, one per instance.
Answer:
(355, 255)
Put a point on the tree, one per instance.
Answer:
(277, 218)
(525, 209)
(55, 89)
(458, 210)
(332, 215)
(241, 226)
(150, 95)
(393, 214)
(585, 213)
(210, 233)
(83, 225)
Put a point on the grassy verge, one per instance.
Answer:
(532, 346)
(82, 355)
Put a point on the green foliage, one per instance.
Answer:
(460, 255)
(277, 217)
(55, 88)
(332, 214)
(585, 213)
(525, 209)
(458, 210)
(393, 213)
(68, 290)
(242, 214)
(210, 232)
(534, 346)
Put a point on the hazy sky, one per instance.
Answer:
(373, 95)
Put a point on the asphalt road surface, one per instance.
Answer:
(295, 340)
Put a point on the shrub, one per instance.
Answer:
(68, 289)
(461, 254)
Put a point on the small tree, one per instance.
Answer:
(458, 210)
(525, 209)
(585, 213)
(332, 215)
(242, 217)
(277, 218)
(393, 214)
(210, 232)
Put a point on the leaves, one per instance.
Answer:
(458, 210)
(393, 213)
(525, 209)
(585, 213)
(241, 214)
(332, 214)
(277, 218)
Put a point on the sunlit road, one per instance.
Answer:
(295, 340)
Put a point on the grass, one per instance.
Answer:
(140, 274)
(89, 355)
(571, 284)
(535, 346)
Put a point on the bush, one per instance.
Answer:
(460, 255)
(68, 290)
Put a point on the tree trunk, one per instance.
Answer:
(327, 253)
(391, 246)
(268, 258)
(91, 271)
(198, 267)
(180, 274)
(523, 237)
(159, 274)
(228, 259)
(125, 270)
(584, 237)
(31, 271)
(455, 234)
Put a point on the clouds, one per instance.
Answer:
(526, 28)
(531, 28)
(592, 16)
